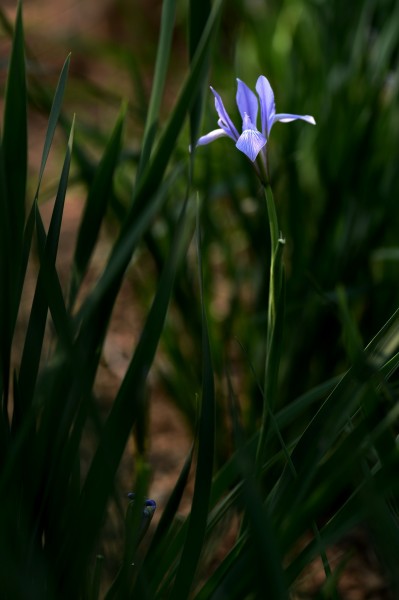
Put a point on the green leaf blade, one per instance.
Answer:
(96, 205)
(203, 480)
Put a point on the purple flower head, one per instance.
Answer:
(251, 141)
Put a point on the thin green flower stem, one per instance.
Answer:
(272, 214)
(274, 324)
(275, 259)
(273, 352)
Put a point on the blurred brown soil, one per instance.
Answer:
(169, 439)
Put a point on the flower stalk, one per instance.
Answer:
(253, 142)
(275, 314)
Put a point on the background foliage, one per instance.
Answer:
(331, 456)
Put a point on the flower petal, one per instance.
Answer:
(251, 142)
(212, 135)
(247, 123)
(267, 105)
(247, 102)
(224, 120)
(287, 118)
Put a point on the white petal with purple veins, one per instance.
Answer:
(251, 142)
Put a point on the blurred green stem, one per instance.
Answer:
(274, 323)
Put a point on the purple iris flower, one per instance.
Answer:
(251, 141)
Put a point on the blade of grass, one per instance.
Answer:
(345, 467)
(96, 205)
(357, 510)
(231, 577)
(161, 65)
(171, 507)
(53, 119)
(5, 308)
(155, 555)
(15, 137)
(13, 173)
(155, 168)
(41, 464)
(203, 478)
(198, 15)
(226, 479)
(123, 582)
(99, 480)
(336, 409)
(264, 545)
(100, 303)
(76, 365)
(96, 583)
(38, 316)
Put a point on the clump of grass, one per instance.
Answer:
(310, 452)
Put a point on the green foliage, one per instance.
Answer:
(293, 416)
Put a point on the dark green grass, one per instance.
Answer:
(307, 449)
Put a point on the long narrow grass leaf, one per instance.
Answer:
(145, 195)
(151, 572)
(203, 478)
(96, 205)
(155, 168)
(100, 478)
(198, 15)
(15, 136)
(161, 65)
(37, 320)
(13, 173)
(53, 118)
